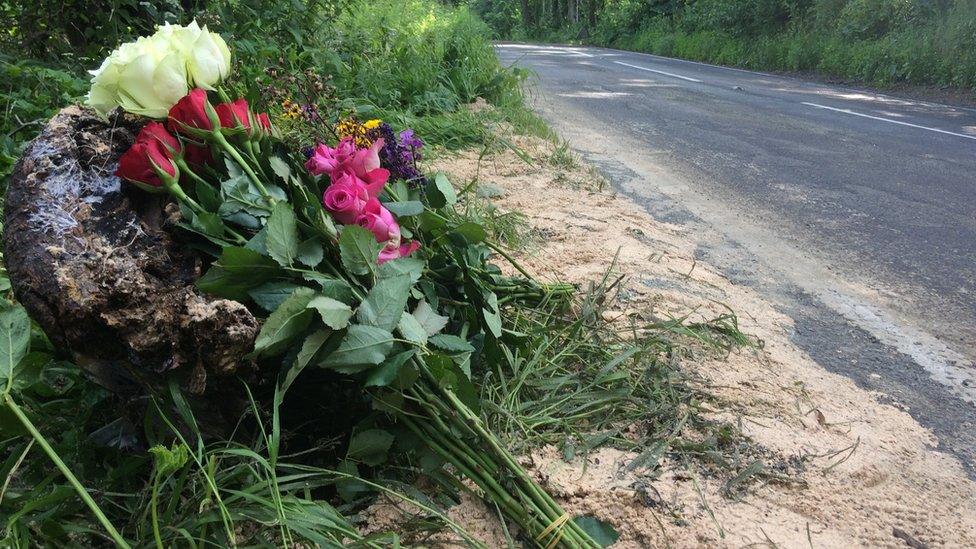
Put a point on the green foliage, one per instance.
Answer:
(881, 42)
(30, 92)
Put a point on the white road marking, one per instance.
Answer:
(671, 74)
(899, 122)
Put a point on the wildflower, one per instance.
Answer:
(372, 124)
(292, 110)
(399, 154)
(349, 127)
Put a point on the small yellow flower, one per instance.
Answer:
(292, 109)
(372, 124)
(349, 127)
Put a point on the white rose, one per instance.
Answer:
(148, 76)
(206, 53)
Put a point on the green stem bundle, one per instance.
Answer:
(483, 459)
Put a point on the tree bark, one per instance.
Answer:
(93, 262)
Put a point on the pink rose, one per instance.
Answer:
(379, 221)
(367, 160)
(375, 180)
(326, 160)
(396, 252)
(345, 199)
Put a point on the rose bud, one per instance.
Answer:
(234, 115)
(154, 131)
(191, 115)
(148, 165)
(379, 221)
(197, 155)
(326, 160)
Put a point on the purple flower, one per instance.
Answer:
(410, 141)
(399, 154)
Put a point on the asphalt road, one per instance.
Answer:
(854, 212)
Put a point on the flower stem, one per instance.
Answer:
(53, 455)
(154, 510)
(236, 155)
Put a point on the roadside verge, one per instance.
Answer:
(855, 470)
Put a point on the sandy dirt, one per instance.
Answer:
(872, 475)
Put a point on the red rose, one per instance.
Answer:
(234, 114)
(138, 164)
(264, 121)
(190, 112)
(154, 131)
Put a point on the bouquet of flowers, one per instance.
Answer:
(357, 262)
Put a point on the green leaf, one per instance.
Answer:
(387, 372)
(493, 319)
(237, 271)
(450, 376)
(473, 233)
(310, 347)
(279, 167)
(370, 446)
(440, 192)
(169, 460)
(14, 342)
(310, 252)
(282, 239)
(385, 302)
(405, 209)
(362, 347)
(411, 330)
(358, 249)
(208, 223)
(350, 489)
(601, 532)
(233, 168)
(207, 195)
(412, 266)
(259, 242)
(489, 190)
(270, 295)
(241, 195)
(451, 343)
(286, 323)
(332, 287)
(428, 318)
(431, 222)
(335, 314)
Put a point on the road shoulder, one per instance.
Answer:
(868, 473)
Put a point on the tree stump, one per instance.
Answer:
(91, 260)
